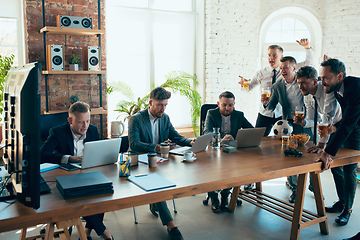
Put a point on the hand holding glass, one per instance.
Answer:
(266, 94)
(323, 127)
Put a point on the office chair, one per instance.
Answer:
(124, 148)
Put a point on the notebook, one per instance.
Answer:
(249, 137)
(150, 182)
(98, 153)
(199, 145)
(83, 185)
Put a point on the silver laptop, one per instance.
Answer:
(98, 153)
(199, 145)
(249, 137)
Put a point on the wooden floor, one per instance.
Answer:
(197, 222)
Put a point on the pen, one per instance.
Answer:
(141, 175)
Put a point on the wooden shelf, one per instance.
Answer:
(71, 31)
(73, 72)
(93, 111)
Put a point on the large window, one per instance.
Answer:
(11, 30)
(145, 40)
(286, 25)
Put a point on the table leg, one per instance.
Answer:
(234, 196)
(258, 186)
(319, 202)
(298, 207)
(49, 233)
(23, 234)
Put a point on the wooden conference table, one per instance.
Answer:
(212, 170)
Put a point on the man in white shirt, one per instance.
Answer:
(267, 76)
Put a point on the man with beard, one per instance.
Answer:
(229, 121)
(345, 133)
(147, 129)
(267, 76)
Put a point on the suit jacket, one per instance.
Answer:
(140, 135)
(237, 119)
(60, 142)
(350, 106)
(278, 94)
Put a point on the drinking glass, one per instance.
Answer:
(216, 138)
(266, 94)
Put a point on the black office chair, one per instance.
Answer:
(49, 121)
(124, 148)
(203, 111)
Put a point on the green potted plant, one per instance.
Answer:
(5, 65)
(177, 81)
(73, 61)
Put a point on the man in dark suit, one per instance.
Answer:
(229, 121)
(147, 129)
(286, 92)
(345, 133)
(65, 144)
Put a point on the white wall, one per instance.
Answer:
(232, 48)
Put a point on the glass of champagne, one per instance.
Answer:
(300, 113)
(266, 94)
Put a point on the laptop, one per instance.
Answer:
(249, 137)
(199, 145)
(98, 153)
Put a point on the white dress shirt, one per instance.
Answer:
(78, 147)
(264, 78)
(328, 108)
(154, 128)
(225, 124)
(292, 90)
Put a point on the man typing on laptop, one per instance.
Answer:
(147, 129)
(65, 144)
(229, 121)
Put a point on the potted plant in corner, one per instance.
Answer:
(73, 61)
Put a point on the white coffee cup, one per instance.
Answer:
(189, 155)
(164, 149)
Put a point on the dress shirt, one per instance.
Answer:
(328, 108)
(264, 78)
(225, 124)
(265, 75)
(291, 92)
(341, 90)
(154, 128)
(78, 147)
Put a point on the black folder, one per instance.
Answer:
(83, 185)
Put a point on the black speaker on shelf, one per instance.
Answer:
(55, 57)
(73, 22)
(91, 58)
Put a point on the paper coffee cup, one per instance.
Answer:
(152, 158)
(164, 149)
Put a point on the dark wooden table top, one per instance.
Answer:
(212, 170)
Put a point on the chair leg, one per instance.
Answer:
(136, 222)
(175, 211)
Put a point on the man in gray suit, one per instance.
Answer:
(286, 92)
(229, 121)
(147, 129)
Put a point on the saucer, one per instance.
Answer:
(189, 160)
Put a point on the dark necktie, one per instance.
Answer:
(315, 119)
(274, 76)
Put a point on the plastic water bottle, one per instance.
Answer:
(216, 138)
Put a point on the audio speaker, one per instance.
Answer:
(55, 58)
(91, 58)
(73, 22)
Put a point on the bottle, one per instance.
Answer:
(216, 138)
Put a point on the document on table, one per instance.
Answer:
(143, 158)
(150, 182)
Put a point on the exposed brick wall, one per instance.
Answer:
(232, 41)
(61, 87)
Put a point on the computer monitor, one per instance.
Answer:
(22, 132)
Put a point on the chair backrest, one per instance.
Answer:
(49, 121)
(203, 112)
(124, 144)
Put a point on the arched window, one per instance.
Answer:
(284, 27)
